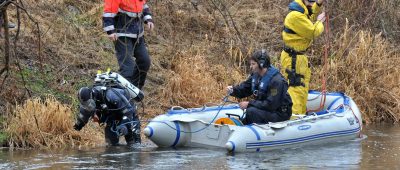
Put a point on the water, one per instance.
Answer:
(378, 149)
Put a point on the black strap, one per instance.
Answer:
(294, 59)
(288, 30)
(294, 78)
(291, 51)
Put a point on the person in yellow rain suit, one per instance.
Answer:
(298, 34)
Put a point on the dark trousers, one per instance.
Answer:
(134, 71)
(112, 138)
(133, 135)
(255, 115)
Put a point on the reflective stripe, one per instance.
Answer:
(145, 6)
(109, 28)
(130, 35)
(131, 14)
(109, 15)
(146, 17)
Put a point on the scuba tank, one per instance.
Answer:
(110, 79)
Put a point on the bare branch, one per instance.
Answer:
(227, 16)
(6, 42)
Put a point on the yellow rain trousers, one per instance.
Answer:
(302, 33)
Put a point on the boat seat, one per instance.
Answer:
(228, 121)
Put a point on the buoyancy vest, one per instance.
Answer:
(293, 6)
(262, 85)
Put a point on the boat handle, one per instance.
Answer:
(177, 108)
(231, 114)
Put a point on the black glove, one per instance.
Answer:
(78, 126)
(123, 126)
(122, 130)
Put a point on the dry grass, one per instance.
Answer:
(52, 129)
(366, 67)
(193, 81)
(376, 15)
(197, 50)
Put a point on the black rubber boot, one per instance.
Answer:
(136, 136)
(133, 138)
(110, 136)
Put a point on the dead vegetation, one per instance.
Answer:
(47, 124)
(366, 67)
(197, 49)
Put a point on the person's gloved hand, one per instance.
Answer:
(123, 126)
(78, 126)
(122, 130)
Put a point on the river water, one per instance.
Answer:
(379, 148)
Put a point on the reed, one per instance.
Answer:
(193, 81)
(365, 66)
(375, 15)
(47, 124)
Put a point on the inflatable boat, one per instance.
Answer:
(338, 118)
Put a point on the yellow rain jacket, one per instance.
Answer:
(298, 34)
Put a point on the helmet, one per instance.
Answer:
(262, 58)
(85, 97)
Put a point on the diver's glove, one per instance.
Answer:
(122, 128)
(78, 127)
(79, 124)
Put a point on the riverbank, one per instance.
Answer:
(197, 49)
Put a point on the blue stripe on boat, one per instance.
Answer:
(233, 146)
(302, 139)
(257, 135)
(151, 131)
(178, 133)
(327, 94)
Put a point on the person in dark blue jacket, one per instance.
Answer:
(271, 102)
(111, 106)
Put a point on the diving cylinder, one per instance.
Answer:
(111, 77)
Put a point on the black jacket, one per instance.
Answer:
(272, 98)
(111, 104)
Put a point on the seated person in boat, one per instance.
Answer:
(271, 101)
(111, 106)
